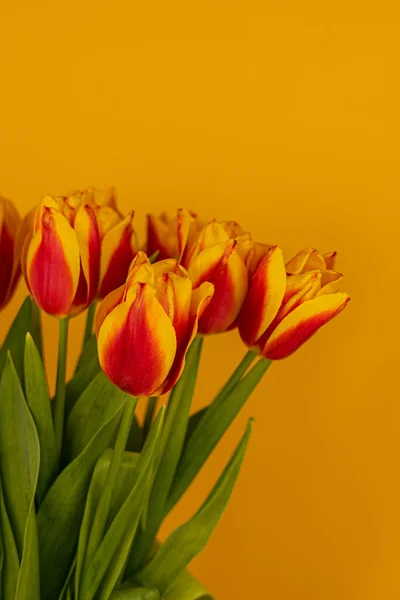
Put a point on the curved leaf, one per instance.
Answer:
(10, 567)
(27, 320)
(19, 469)
(188, 541)
(186, 587)
(38, 399)
(60, 515)
(212, 426)
(130, 593)
(112, 553)
(172, 440)
(94, 407)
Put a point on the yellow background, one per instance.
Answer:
(284, 116)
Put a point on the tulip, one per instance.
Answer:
(118, 238)
(9, 250)
(145, 327)
(61, 256)
(215, 252)
(287, 304)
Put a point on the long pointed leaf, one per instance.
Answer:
(38, 399)
(87, 368)
(10, 568)
(61, 512)
(214, 423)
(120, 534)
(186, 587)
(25, 321)
(188, 541)
(172, 440)
(121, 491)
(19, 469)
(135, 594)
(95, 405)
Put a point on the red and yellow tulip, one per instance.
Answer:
(10, 222)
(118, 238)
(145, 327)
(215, 252)
(287, 304)
(61, 256)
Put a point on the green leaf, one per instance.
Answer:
(95, 406)
(38, 399)
(61, 512)
(216, 420)
(194, 420)
(110, 558)
(87, 370)
(102, 512)
(130, 593)
(19, 469)
(121, 491)
(26, 320)
(10, 567)
(172, 440)
(188, 541)
(186, 587)
(135, 438)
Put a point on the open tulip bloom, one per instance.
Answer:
(84, 483)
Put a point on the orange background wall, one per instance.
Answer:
(284, 116)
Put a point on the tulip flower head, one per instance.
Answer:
(9, 250)
(61, 256)
(287, 304)
(145, 327)
(215, 252)
(118, 238)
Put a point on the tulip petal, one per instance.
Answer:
(88, 236)
(211, 235)
(53, 263)
(137, 343)
(330, 259)
(9, 256)
(116, 256)
(223, 267)
(162, 236)
(140, 270)
(267, 290)
(299, 289)
(107, 305)
(308, 259)
(255, 254)
(200, 299)
(302, 323)
(330, 282)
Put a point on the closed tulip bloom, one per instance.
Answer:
(145, 327)
(118, 238)
(287, 304)
(61, 257)
(10, 222)
(214, 252)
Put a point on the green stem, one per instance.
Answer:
(89, 322)
(59, 399)
(103, 507)
(148, 419)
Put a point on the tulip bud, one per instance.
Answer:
(62, 256)
(145, 327)
(287, 304)
(9, 250)
(118, 238)
(214, 252)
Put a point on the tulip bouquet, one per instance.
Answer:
(84, 483)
